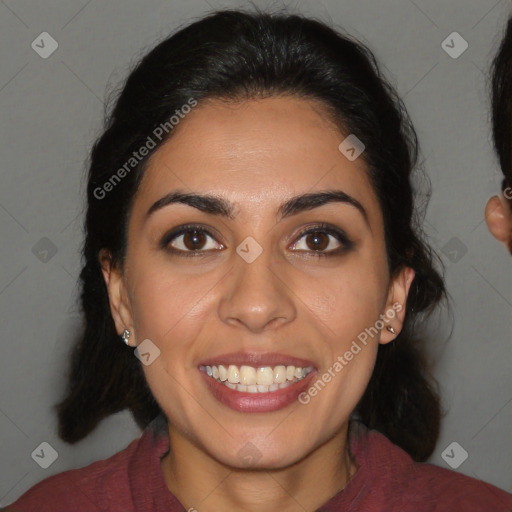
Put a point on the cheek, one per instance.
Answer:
(168, 308)
(345, 308)
(346, 303)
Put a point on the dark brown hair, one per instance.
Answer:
(501, 88)
(235, 55)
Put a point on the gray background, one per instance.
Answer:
(51, 111)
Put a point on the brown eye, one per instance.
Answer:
(317, 240)
(323, 240)
(190, 241)
(194, 240)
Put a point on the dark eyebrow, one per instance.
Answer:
(214, 205)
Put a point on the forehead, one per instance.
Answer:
(255, 153)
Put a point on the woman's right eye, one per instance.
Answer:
(190, 241)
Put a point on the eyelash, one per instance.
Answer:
(339, 235)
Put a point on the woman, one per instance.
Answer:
(250, 233)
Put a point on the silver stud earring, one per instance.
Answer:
(126, 336)
(391, 329)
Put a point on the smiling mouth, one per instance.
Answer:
(250, 379)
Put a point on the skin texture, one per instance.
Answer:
(498, 216)
(257, 154)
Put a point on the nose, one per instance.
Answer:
(257, 295)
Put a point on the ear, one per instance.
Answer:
(118, 298)
(498, 217)
(394, 313)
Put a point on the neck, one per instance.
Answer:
(203, 483)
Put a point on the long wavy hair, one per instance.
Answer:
(238, 55)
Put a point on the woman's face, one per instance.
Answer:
(250, 291)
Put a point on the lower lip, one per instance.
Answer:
(257, 402)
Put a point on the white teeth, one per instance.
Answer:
(223, 373)
(265, 376)
(279, 374)
(247, 375)
(233, 374)
(264, 379)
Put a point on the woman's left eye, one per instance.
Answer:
(319, 241)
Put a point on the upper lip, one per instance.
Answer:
(257, 359)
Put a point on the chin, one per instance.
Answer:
(250, 458)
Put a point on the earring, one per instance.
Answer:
(391, 329)
(126, 336)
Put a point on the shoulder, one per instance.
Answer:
(457, 492)
(92, 487)
(423, 486)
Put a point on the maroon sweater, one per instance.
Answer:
(388, 480)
